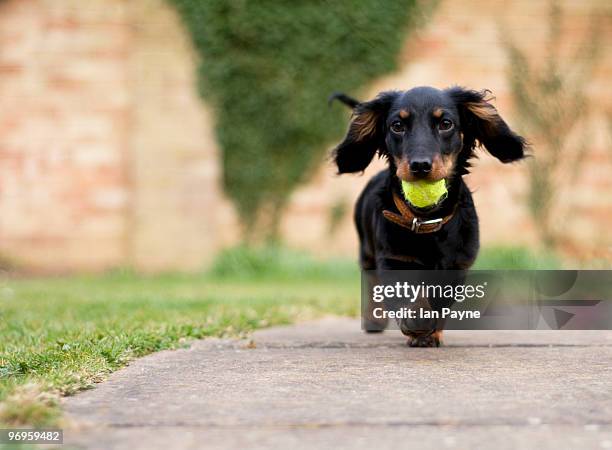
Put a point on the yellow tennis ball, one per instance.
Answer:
(423, 193)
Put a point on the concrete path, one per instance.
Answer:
(328, 385)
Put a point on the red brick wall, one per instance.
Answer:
(63, 125)
(107, 156)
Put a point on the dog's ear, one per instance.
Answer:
(480, 121)
(365, 134)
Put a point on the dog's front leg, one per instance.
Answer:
(369, 321)
(424, 328)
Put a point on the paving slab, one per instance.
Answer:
(326, 384)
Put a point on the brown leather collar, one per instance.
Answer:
(407, 219)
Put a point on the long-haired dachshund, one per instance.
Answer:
(425, 134)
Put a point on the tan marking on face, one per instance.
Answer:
(364, 125)
(404, 114)
(437, 112)
(403, 169)
(443, 166)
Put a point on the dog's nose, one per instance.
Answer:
(420, 166)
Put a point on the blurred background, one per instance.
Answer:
(154, 134)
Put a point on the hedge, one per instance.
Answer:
(267, 68)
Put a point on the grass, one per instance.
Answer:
(509, 257)
(61, 335)
(279, 263)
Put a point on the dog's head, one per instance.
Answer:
(426, 133)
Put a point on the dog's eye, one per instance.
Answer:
(397, 127)
(445, 125)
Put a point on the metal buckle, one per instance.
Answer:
(416, 224)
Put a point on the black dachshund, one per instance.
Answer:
(425, 134)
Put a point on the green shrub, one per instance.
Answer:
(267, 68)
(277, 262)
(507, 257)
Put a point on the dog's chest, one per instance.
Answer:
(439, 250)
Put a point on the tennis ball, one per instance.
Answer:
(423, 193)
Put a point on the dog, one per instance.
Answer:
(425, 134)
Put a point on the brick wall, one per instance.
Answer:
(177, 205)
(63, 131)
(107, 156)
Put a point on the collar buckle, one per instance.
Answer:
(416, 225)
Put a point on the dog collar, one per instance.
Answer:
(407, 219)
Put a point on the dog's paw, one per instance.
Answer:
(432, 340)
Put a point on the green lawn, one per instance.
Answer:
(61, 335)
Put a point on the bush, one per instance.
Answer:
(502, 257)
(267, 68)
(277, 262)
